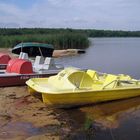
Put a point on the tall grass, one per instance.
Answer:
(60, 40)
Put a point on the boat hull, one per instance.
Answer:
(20, 79)
(65, 100)
(3, 66)
(73, 87)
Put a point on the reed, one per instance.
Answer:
(59, 40)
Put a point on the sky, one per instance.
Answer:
(77, 14)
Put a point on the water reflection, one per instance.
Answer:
(107, 118)
(109, 114)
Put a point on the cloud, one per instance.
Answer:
(101, 14)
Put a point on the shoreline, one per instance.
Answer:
(24, 117)
(56, 53)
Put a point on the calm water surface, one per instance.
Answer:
(118, 120)
(111, 55)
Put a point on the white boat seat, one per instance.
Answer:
(23, 55)
(38, 63)
(39, 60)
(49, 63)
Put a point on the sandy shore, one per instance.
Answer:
(67, 52)
(23, 117)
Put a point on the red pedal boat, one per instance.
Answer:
(18, 71)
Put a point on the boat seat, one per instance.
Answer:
(49, 64)
(38, 63)
(110, 82)
(124, 77)
(98, 78)
(23, 55)
(42, 64)
(39, 60)
(93, 74)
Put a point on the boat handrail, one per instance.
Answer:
(109, 83)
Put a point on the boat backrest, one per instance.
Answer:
(124, 77)
(23, 55)
(110, 81)
(93, 74)
(39, 60)
(49, 63)
(20, 55)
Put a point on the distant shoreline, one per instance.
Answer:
(87, 32)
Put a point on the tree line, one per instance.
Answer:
(88, 32)
(60, 38)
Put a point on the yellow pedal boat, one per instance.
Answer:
(72, 87)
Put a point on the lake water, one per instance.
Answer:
(110, 55)
(117, 120)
